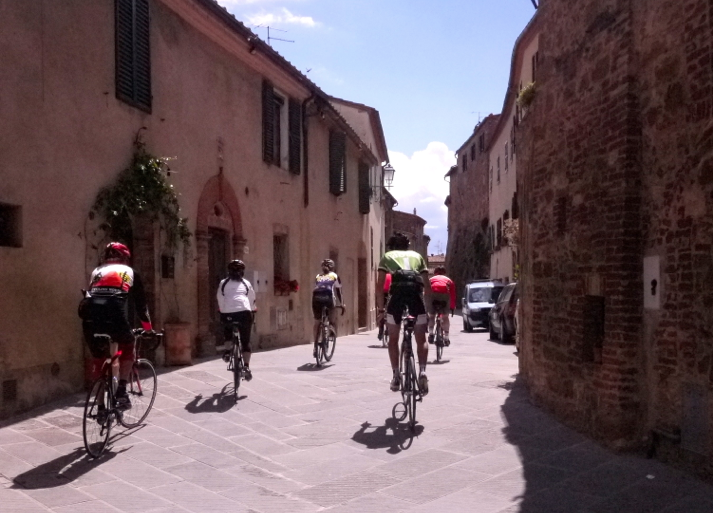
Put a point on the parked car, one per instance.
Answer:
(502, 315)
(478, 298)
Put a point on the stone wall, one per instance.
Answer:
(412, 226)
(468, 254)
(616, 156)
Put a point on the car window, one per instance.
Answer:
(505, 296)
(479, 295)
(496, 294)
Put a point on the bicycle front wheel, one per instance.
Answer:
(237, 367)
(141, 389)
(329, 343)
(414, 393)
(98, 416)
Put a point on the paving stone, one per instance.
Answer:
(128, 498)
(270, 432)
(11, 466)
(268, 501)
(54, 436)
(262, 445)
(89, 507)
(16, 501)
(347, 488)
(374, 503)
(143, 475)
(9, 436)
(58, 496)
(259, 461)
(155, 455)
(436, 484)
(421, 463)
(163, 437)
(332, 469)
(309, 457)
(206, 476)
(223, 428)
(199, 500)
(272, 481)
(72, 423)
(34, 453)
(211, 457)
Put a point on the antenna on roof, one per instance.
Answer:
(269, 38)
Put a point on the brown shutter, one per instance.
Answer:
(337, 163)
(133, 53)
(268, 123)
(364, 190)
(295, 136)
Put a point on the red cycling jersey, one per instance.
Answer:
(442, 284)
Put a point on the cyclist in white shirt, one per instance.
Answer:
(236, 302)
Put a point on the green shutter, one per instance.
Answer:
(268, 123)
(133, 53)
(364, 190)
(295, 136)
(337, 163)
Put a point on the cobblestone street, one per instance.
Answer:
(306, 439)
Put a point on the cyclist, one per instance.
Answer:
(104, 310)
(443, 293)
(327, 292)
(409, 281)
(382, 321)
(236, 302)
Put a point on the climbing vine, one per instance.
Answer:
(142, 189)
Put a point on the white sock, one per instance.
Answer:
(423, 368)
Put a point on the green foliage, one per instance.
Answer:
(142, 189)
(527, 95)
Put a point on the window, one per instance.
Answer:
(364, 188)
(594, 318)
(506, 157)
(481, 143)
(133, 53)
(472, 151)
(10, 226)
(535, 57)
(498, 168)
(491, 179)
(337, 162)
(465, 162)
(281, 124)
(281, 257)
(512, 142)
(499, 233)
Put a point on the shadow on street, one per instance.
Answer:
(399, 439)
(217, 403)
(312, 367)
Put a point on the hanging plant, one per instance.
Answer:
(527, 95)
(142, 189)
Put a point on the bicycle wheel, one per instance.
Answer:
(414, 393)
(385, 338)
(439, 342)
(331, 342)
(141, 389)
(237, 365)
(96, 425)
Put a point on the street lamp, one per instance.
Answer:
(388, 175)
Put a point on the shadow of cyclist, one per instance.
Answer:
(217, 403)
(400, 438)
(61, 471)
(312, 367)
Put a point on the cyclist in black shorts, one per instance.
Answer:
(409, 283)
(327, 292)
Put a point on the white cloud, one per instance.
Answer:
(419, 184)
(284, 16)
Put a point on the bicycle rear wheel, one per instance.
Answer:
(98, 417)
(141, 389)
(237, 366)
(331, 342)
(414, 393)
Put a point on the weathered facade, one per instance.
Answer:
(266, 167)
(469, 248)
(617, 211)
(412, 226)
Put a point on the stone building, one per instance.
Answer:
(267, 168)
(616, 188)
(412, 226)
(468, 251)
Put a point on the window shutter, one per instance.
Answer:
(133, 53)
(337, 163)
(268, 123)
(295, 136)
(364, 191)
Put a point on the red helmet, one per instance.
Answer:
(117, 250)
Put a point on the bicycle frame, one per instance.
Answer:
(410, 391)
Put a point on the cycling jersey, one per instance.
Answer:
(328, 285)
(110, 287)
(441, 284)
(235, 296)
(406, 284)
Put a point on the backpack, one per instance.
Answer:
(406, 279)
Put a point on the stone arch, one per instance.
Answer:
(218, 208)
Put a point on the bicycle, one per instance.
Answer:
(236, 364)
(439, 339)
(410, 390)
(324, 347)
(100, 408)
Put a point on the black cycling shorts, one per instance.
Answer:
(319, 301)
(245, 324)
(406, 297)
(119, 332)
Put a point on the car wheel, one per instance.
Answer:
(467, 327)
(493, 335)
(505, 337)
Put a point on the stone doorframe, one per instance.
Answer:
(217, 208)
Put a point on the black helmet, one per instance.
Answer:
(439, 270)
(328, 263)
(236, 265)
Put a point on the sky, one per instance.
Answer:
(432, 68)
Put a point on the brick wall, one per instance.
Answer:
(616, 155)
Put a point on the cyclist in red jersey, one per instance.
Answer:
(105, 310)
(444, 293)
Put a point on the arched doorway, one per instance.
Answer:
(219, 238)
